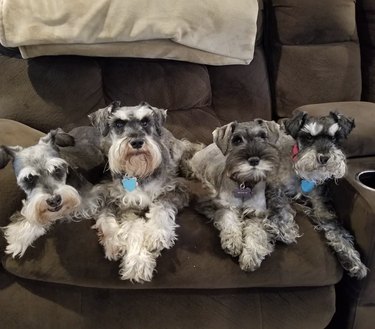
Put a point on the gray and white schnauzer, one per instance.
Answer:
(316, 158)
(144, 196)
(237, 170)
(54, 189)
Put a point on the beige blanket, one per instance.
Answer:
(217, 32)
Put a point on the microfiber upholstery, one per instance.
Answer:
(315, 54)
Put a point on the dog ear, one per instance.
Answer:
(7, 153)
(160, 116)
(294, 124)
(346, 124)
(58, 137)
(273, 129)
(99, 119)
(222, 136)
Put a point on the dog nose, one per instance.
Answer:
(136, 144)
(323, 159)
(54, 201)
(254, 161)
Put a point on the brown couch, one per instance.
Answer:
(308, 52)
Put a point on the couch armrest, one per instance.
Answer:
(355, 206)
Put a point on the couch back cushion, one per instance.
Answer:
(314, 50)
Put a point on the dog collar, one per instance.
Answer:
(129, 183)
(295, 151)
(243, 192)
(307, 186)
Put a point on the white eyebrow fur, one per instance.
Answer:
(25, 172)
(55, 162)
(313, 128)
(333, 129)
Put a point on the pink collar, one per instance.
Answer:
(295, 151)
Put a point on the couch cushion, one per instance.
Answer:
(361, 141)
(49, 92)
(70, 254)
(315, 55)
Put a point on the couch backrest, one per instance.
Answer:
(306, 52)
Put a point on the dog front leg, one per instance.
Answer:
(21, 233)
(257, 244)
(160, 228)
(229, 224)
(108, 234)
(280, 221)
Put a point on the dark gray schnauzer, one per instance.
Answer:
(143, 198)
(237, 170)
(53, 186)
(317, 157)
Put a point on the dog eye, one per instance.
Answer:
(58, 173)
(262, 135)
(145, 122)
(237, 140)
(30, 180)
(119, 124)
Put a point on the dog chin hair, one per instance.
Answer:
(35, 210)
(123, 159)
(307, 166)
(244, 172)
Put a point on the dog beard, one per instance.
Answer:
(239, 169)
(140, 163)
(37, 210)
(308, 167)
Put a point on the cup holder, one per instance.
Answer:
(367, 179)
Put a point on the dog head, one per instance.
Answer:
(319, 154)
(249, 147)
(134, 133)
(42, 174)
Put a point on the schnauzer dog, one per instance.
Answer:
(54, 189)
(143, 198)
(237, 170)
(317, 157)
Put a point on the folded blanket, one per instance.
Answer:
(217, 32)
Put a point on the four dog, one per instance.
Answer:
(248, 173)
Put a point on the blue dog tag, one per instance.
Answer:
(307, 186)
(129, 183)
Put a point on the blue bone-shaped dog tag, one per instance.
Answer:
(307, 186)
(129, 183)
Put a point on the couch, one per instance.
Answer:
(313, 55)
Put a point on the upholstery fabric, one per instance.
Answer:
(314, 58)
(366, 32)
(40, 305)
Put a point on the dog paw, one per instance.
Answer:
(249, 262)
(231, 242)
(15, 249)
(159, 239)
(359, 271)
(138, 267)
(251, 259)
(113, 249)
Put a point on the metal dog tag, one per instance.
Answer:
(242, 192)
(129, 183)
